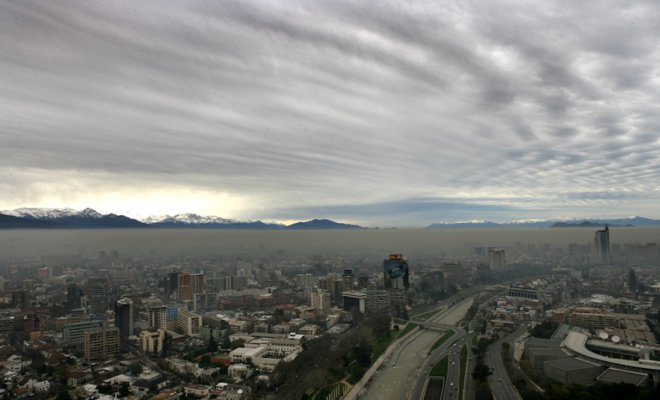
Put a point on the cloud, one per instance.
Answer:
(289, 109)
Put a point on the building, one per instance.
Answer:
(354, 300)
(496, 259)
(157, 317)
(188, 323)
(98, 294)
(572, 370)
(396, 282)
(395, 272)
(348, 280)
(20, 299)
(320, 300)
(74, 334)
(73, 296)
(152, 342)
(124, 317)
(305, 283)
(188, 285)
(377, 300)
(602, 245)
(101, 343)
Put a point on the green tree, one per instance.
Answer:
(124, 390)
(135, 369)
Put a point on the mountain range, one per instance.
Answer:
(553, 223)
(49, 218)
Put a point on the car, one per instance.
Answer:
(499, 379)
(451, 384)
(453, 363)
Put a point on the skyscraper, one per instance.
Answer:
(124, 317)
(496, 258)
(98, 294)
(320, 299)
(396, 282)
(348, 280)
(158, 317)
(602, 245)
(188, 285)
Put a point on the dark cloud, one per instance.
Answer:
(292, 109)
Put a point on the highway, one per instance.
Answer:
(445, 320)
(499, 382)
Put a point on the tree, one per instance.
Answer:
(236, 344)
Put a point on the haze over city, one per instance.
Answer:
(380, 114)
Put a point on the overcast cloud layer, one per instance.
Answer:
(380, 113)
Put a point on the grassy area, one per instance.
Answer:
(426, 315)
(440, 369)
(464, 354)
(440, 341)
(407, 329)
(379, 347)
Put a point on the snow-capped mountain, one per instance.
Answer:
(188, 218)
(70, 218)
(52, 213)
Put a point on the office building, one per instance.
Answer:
(152, 342)
(602, 245)
(20, 299)
(348, 280)
(98, 294)
(74, 334)
(157, 317)
(188, 285)
(101, 343)
(320, 300)
(188, 323)
(354, 300)
(496, 259)
(377, 300)
(73, 296)
(395, 272)
(305, 283)
(124, 317)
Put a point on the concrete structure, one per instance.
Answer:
(572, 370)
(602, 245)
(377, 301)
(188, 323)
(188, 285)
(101, 343)
(74, 334)
(614, 375)
(496, 259)
(320, 300)
(576, 342)
(124, 317)
(354, 300)
(152, 342)
(157, 317)
(98, 294)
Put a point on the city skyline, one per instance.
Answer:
(385, 114)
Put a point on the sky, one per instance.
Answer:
(380, 113)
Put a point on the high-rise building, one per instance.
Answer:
(395, 272)
(101, 343)
(171, 283)
(396, 282)
(98, 294)
(188, 322)
(348, 280)
(378, 300)
(496, 258)
(157, 317)
(320, 300)
(188, 285)
(305, 283)
(354, 300)
(124, 317)
(152, 342)
(602, 245)
(73, 296)
(74, 334)
(20, 299)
